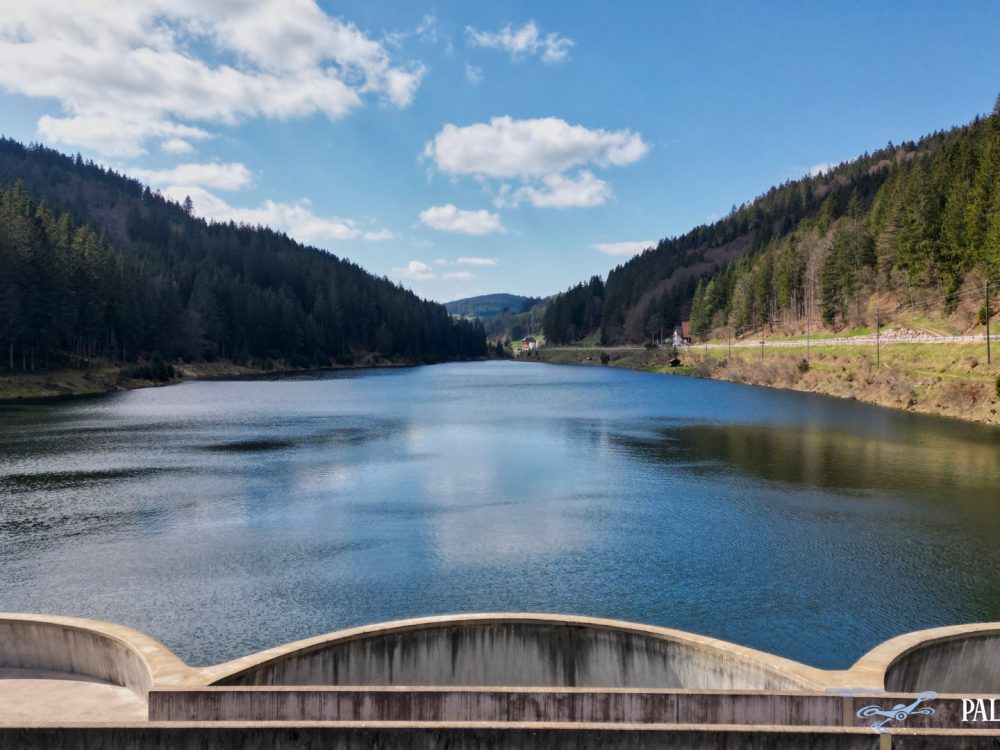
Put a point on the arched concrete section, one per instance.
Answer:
(506, 650)
(80, 669)
(956, 659)
(90, 648)
(518, 650)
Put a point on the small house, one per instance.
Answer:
(682, 335)
(529, 343)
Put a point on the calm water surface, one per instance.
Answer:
(226, 517)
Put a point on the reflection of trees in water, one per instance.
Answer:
(820, 457)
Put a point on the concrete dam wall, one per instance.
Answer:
(58, 647)
(968, 663)
(518, 653)
(503, 650)
(485, 680)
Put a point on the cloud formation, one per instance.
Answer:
(176, 146)
(506, 148)
(522, 42)
(295, 219)
(559, 191)
(124, 74)
(624, 248)
(473, 74)
(450, 218)
(538, 152)
(416, 270)
(817, 169)
(220, 176)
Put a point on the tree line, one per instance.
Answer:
(94, 264)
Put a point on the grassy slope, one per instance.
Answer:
(947, 379)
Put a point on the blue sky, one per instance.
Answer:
(466, 148)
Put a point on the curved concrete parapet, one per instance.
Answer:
(955, 659)
(100, 651)
(498, 650)
(518, 650)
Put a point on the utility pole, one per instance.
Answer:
(988, 354)
(808, 319)
(878, 324)
(878, 338)
(762, 351)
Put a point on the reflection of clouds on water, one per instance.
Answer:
(492, 502)
(490, 535)
(337, 479)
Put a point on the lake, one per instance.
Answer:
(226, 517)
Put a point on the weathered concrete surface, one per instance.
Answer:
(547, 705)
(958, 664)
(65, 668)
(48, 647)
(28, 696)
(496, 704)
(555, 658)
(101, 650)
(518, 650)
(435, 736)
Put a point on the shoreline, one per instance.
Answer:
(954, 384)
(101, 380)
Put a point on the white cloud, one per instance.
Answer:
(416, 270)
(817, 169)
(127, 73)
(427, 28)
(537, 152)
(295, 219)
(425, 31)
(473, 74)
(559, 191)
(122, 135)
(380, 235)
(449, 218)
(466, 261)
(506, 148)
(524, 41)
(220, 176)
(176, 146)
(623, 248)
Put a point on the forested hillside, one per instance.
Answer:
(908, 229)
(93, 264)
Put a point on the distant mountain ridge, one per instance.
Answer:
(487, 306)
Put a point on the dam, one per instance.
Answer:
(485, 680)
